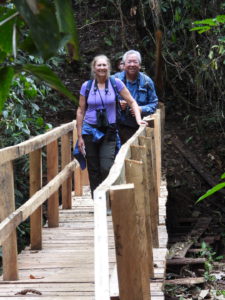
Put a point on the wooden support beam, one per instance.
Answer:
(156, 124)
(114, 286)
(139, 153)
(35, 185)
(67, 185)
(77, 172)
(52, 171)
(150, 172)
(135, 174)
(78, 182)
(153, 154)
(101, 251)
(130, 241)
(84, 177)
(7, 206)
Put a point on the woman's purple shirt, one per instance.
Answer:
(94, 101)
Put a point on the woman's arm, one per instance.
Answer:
(125, 94)
(80, 117)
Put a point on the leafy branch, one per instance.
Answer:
(38, 27)
(207, 24)
(213, 190)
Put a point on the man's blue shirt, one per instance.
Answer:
(143, 91)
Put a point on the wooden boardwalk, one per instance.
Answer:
(78, 259)
(64, 268)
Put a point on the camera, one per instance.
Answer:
(102, 120)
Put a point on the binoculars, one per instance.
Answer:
(102, 120)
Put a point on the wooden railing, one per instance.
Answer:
(11, 218)
(131, 191)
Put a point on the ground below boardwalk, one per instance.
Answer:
(196, 266)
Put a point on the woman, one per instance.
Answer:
(96, 120)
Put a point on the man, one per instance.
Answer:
(141, 88)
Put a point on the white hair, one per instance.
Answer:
(132, 52)
(93, 63)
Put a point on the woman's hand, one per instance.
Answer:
(142, 122)
(123, 104)
(81, 145)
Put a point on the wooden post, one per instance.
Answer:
(152, 188)
(135, 174)
(101, 250)
(84, 176)
(35, 185)
(77, 172)
(80, 176)
(7, 205)
(162, 124)
(67, 185)
(157, 139)
(78, 182)
(139, 153)
(52, 171)
(130, 242)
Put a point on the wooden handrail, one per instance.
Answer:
(16, 151)
(116, 177)
(11, 218)
(24, 211)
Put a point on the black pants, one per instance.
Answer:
(126, 132)
(100, 157)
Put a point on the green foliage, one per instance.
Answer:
(6, 76)
(207, 24)
(66, 23)
(21, 116)
(51, 25)
(44, 73)
(210, 256)
(46, 27)
(213, 190)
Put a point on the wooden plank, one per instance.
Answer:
(157, 140)
(52, 171)
(185, 261)
(67, 184)
(84, 176)
(186, 281)
(7, 206)
(152, 186)
(114, 286)
(139, 153)
(13, 152)
(179, 250)
(135, 174)
(35, 185)
(78, 182)
(25, 210)
(162, 125)
(130, 242)
(101, 260)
